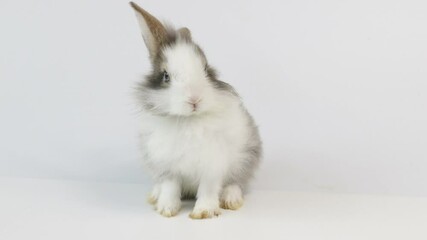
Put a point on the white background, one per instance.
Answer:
(338, 88)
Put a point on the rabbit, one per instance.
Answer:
(197, 139)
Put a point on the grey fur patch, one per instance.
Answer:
(218, 84)
(252, 154)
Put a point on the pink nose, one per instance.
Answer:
(193, 101)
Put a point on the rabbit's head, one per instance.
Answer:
(181, 82)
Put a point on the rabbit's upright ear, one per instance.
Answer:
(184, 33)
(153, 32)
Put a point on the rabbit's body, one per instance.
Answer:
(224, 145)
(197, 138)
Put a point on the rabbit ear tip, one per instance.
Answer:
(133, 5)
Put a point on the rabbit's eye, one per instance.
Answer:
(166, 77)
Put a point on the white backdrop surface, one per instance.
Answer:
(338, 88)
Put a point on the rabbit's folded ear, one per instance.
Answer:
(153, 32)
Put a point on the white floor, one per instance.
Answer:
(48, 209)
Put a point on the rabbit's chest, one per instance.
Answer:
(178, 146)
(188, 150)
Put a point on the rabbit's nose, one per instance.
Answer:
(193, 101)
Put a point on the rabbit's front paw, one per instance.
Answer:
(204, 213)
(204, 210)
(168, 208)
(231, 197)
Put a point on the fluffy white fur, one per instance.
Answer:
(198, 153)
(188, 83)
(196, 139)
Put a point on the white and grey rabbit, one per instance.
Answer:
(197, 138)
